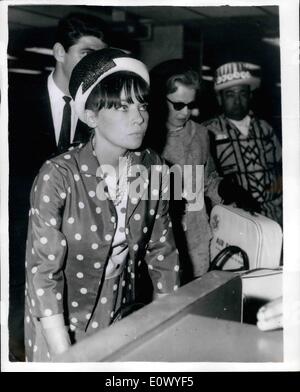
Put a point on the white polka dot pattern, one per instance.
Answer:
(84, 233)
(40, 292)
(134, 200)
(48, 312)
(53, 221)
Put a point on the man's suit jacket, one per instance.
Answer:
(31, 130)
(31, 143)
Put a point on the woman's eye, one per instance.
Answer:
(122, 108)
(144, 107)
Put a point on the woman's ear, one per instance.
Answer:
(59, 52)
(90, 118)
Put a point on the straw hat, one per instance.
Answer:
(232, 74)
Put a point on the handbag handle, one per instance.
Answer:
(126, 310)
(225, 254)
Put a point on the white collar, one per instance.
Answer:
(54, 90)
(242, 125)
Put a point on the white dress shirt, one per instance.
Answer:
(57, 107)
(242, 125)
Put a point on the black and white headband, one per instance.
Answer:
(96, 66)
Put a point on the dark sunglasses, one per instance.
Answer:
(180, 105)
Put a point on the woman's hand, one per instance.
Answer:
(56, 334)
(270, 316)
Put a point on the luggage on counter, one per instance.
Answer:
(257, 235)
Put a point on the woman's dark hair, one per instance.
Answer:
(74, 26)
(106, 93)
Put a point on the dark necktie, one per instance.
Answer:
(65, 131)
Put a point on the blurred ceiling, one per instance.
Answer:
(223, 28)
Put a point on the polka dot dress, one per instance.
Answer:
(78, 263)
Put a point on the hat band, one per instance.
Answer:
(233, 76)
(127, 64)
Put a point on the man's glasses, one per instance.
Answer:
(180, 105)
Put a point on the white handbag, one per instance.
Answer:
(258, 236)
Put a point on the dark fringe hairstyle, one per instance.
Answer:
(106, 93)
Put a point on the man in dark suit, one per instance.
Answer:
(42, 123)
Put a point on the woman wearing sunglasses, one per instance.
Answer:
(182, 141)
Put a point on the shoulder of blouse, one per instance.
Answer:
(149, 157)
(68, 158)
(200, 131)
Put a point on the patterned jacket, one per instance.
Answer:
(254, 160)
(71, 231)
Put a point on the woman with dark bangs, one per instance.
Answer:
(94, 248)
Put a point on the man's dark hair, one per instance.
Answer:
(74, 26)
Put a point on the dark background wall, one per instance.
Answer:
(205, 36)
